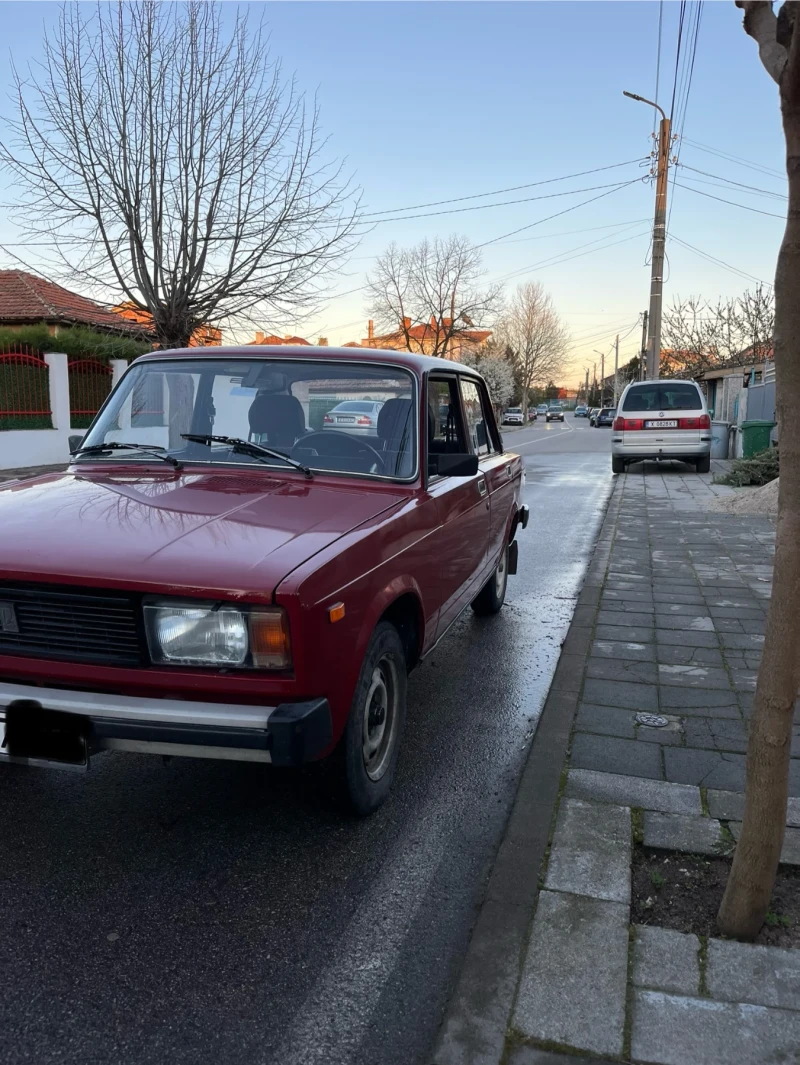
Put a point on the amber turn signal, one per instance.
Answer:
(336, 612)
(270, 647)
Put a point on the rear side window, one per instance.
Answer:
(667, 396)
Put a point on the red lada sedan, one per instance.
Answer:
(222, 574)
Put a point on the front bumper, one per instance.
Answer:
(288, 734)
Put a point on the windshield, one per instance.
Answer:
(284, 405)
(672, 395)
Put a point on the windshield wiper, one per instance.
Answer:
(246, 447)
(155, 450)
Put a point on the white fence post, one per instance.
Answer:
(59, 388)
(118, 368)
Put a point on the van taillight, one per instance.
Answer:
(703, 422)
(628, 425)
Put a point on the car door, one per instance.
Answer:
(501, 470)
(462, 504)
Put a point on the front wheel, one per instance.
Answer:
(492, 596)
(368, 750)
(617, 464)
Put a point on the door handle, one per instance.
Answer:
(482, 487)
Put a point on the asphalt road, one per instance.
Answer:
(201, 912)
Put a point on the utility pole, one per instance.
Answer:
(616, 370)
(586, 389)
(643, 352)
(659, 240)
(602, 355)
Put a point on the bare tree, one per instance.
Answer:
(170, 162)
(533, 330)
(755, 863)
(699, 335)
(431, 297)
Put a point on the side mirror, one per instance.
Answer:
(75, 442)
(445, 465)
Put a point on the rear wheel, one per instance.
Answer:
(617, 464)
(368, 750)
(703, 465)
(492, 596)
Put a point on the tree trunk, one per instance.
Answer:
(755, 863)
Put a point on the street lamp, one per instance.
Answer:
(659, 239)
(602, 355)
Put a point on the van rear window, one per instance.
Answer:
(663, 397)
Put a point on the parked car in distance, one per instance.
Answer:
(581, 411)
(663, 419)
(513, 416)
(555, 414)
(230, 583)
(357, 416)
(605, 416)
(542, 408)
(532, 413)
(593, 412)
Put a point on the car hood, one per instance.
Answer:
(202, 532)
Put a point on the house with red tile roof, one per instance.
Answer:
(272, 339)
(424, 337)
(29, 300)
(205, 336)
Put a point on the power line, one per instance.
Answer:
(522, 229)
(734, 158)
(719, 262)
(744, 206)
(739, 184)
(501, 192)
(556, 260)
(658, 62)
(727, 188)
(694, 33)
(681, 17)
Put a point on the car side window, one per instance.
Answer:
(475, 414)
(445, 431)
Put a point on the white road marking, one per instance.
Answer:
(564, 428)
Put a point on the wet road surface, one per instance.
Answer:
(202, 912)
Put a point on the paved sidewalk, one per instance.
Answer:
(642, 741)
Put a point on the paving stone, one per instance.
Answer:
(677, 595)
(625, 617)
(677, 637)
(634, 633)
(693, 610)
(591, 851)
(704, 699)
(643, 652)
(665, 960)
(715, 734)
(790, 852)
(754, 627)
(574, 977)
(744, 679)
(711, 769)
(673, 1030)
(534, 1056)
(628, 595)
(606, 720)
(683, 832)
(614, 755)
(618, 693)
(729, 806)
(633, 791)
(736, 612)
(687, 655)
(672, 736)
(622, 669)
(747, 972)
(694, 676)
(688, 625)
(729, 625)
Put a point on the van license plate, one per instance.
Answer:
(661, 425)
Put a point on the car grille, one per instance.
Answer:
(78, 626)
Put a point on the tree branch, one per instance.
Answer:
(760, 22)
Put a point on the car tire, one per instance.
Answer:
(617, 464)
(367, 752)
(491, 597)
(703, 464)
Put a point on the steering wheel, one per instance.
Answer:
(356, 447)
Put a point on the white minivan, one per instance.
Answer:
(661, 419)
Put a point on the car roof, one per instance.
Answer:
(313, 353)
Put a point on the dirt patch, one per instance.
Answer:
(763, 500)
(683, 891)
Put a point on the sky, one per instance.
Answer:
(438, 100)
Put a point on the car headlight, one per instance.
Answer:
(202, 634)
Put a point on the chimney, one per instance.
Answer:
(370, 330)
(406, 323)
(287, 336)
(259, 338)
(323, 342)
(433, 321)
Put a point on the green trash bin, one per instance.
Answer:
(755, 436)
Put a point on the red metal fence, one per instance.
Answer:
(24, 389)
(89, 385)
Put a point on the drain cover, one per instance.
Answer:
(652, 720)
